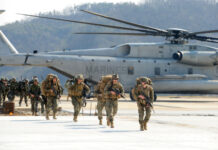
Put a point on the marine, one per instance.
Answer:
(99, 93)
(113, 91)
(13, 89)
(24, 91)
(144, 94)
(4, 88)
(52, 89)
(77, 91)
(35, 93)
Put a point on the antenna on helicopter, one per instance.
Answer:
(174, 35)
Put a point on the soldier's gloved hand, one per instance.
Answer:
(113, 93)
(141, 97)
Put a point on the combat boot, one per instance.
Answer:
(112, 124)
(36, 114)
(54, 116)
(141, 127)
(75, 118)
(47, 116)
(108, 122)
(100, 121)
(145, 125)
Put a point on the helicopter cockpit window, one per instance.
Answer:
(157, 71)
(130, 70)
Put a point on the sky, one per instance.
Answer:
(36, 6)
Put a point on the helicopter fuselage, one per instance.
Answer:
(172, 67)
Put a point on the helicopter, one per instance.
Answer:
(174, 66)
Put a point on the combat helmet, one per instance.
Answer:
(36, 79)
(80, 76)
(49, 76)
(115, 77)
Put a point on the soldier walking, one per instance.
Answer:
(145, 97)
(99, 93)
(13, 86)
(113, 91)
(76, 92)
(4, 89)
(1, 90)
(35, 93)
(51, 87)
(24, 91)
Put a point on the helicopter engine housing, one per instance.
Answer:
(197, 58)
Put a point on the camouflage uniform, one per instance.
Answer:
(13, 86)
(145, 91)
(24, 91)
(1, 90)
(101, 101)
(51, 90)
(35, 93)
(112, 99)
(5, 89)
(76, 93)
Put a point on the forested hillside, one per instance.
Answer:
(47, 35)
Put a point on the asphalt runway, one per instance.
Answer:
(178, 122)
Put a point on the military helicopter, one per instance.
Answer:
(174, 66)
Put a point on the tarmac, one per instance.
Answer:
(177, 122)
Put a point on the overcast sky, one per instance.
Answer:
(35, 6)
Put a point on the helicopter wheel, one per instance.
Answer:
(131, 96)
(155, 97)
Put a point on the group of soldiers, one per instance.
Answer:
(10, 88)
(107, 91)
(45, 94)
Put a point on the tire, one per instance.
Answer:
(131, 96)
(155, 97)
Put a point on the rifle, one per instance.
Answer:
(148, 102)
(36, 95)
(56, 92)
(118, 92)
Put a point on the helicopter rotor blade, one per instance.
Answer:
(114, 33)
(125, 22)
(204, 38)
(89, 23)
(211, 41)
(204, 32)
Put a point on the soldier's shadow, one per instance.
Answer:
(120, 131)
(82, 127)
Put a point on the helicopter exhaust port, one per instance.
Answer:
(177, 56)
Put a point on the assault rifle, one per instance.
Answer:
(118, 92)
(56, 92)
(148, 102)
